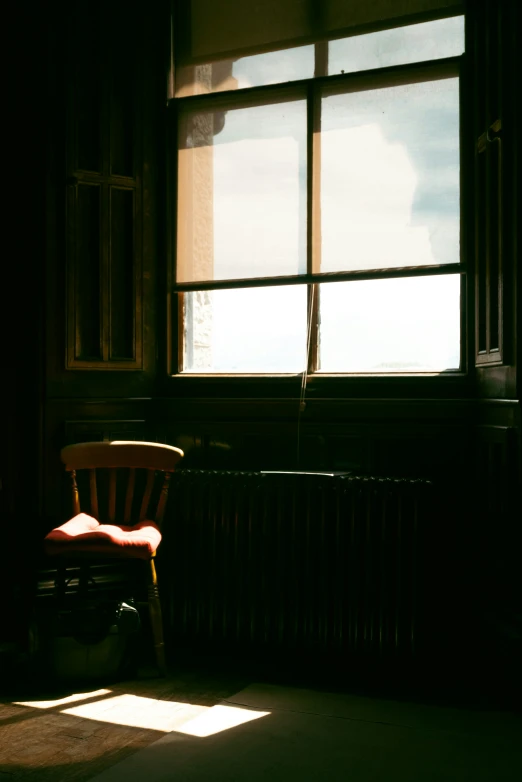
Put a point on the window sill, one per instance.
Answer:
(285, 376)
(444, 385)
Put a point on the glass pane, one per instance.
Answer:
(390, 177)
(414, 43)
(254, 71)
(242, 193)
(402, 45)
(245, 330)
(399, 325)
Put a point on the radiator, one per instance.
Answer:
(294, 562)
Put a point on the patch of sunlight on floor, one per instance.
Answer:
(79, 696)
(138, 712)
(219, 718)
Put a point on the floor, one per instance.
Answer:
(42, 741)
(198, 726)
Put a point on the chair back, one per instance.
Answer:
(122, 485)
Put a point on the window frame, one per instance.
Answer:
(312, 88)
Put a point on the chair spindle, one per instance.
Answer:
(75, 494)
(94, 494)
(112, 495)
(129, 495)
(146, 496)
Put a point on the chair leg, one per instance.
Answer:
(156, 620)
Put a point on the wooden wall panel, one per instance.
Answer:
(124, 277)
(495, 545)
(104, 117)
(123, 42)
(91, 431)
(493, 50)
(86, 64)
(85, 268)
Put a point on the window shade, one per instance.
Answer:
(207, 30)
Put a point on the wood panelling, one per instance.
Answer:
(103, 175)
(496, 542)
(488, 190)
(86, 64)
(91, 431)
(399, 451)
(403, 439)
(123, 75)
(125, 308)
(22, 303)
(85, 267)
(491, 43)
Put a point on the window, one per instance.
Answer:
(318, 207)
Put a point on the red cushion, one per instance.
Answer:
(85, 534)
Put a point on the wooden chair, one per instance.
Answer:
(135, 532)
